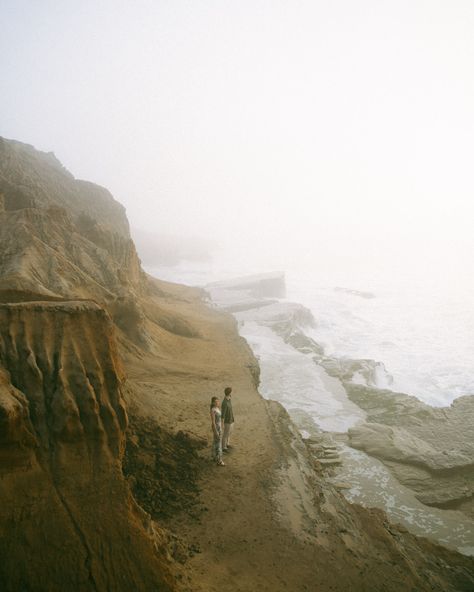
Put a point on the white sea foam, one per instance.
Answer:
(423, 337)
(295, 381)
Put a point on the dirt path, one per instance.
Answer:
(242, 544)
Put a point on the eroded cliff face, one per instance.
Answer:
(68, 520)
(30, 178)
(51, 246)
(61, 238)
(42, 252)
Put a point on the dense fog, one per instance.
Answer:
(331, 135)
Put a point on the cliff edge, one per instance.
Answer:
(105, 382)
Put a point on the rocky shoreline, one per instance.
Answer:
(428, 450)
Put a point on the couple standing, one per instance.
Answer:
(222, 420)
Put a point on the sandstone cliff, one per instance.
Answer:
(68, 521)
(70, 283)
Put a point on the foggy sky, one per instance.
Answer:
(332, 133)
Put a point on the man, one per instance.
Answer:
(227, 419)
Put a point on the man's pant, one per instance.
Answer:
(226, 435)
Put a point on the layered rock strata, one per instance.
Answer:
(43, 253)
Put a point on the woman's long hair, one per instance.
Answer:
(213, 401)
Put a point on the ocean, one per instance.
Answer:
(422, 330)
(423, 333)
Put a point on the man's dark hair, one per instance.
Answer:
(227, 391)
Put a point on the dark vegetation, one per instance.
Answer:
(162, 468)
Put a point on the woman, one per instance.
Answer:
(216, 431)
